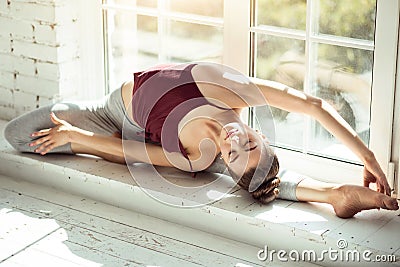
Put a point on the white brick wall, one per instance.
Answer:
(39, 52)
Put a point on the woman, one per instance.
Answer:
(188, 115)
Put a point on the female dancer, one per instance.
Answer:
(189, 114)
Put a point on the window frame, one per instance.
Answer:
(163, 15)
(384, 75)
(237, 30)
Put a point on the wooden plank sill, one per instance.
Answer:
(280, 225)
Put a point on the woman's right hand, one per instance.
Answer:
(52, 137)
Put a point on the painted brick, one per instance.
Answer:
(45, 34)
(17, 28)
(59, 71)
(6, 62)
(3, 7)
(39, 53)
(5, 45)
(60, 13)
(24, 65)
(17, 64)
(44, 52)
(24, 102)
(7, 112)
(32, 11)
(48, 70)
(6, 96)
(36, 85)
(35, 51)
(43, 101)
(7, 79)
(45, 2)
(56, 34)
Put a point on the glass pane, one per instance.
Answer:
(211, 8)
(355, 18)
(192, 42)
(276, 57)
(343, 77)
(132, 3)
(283, 13)
(133, 45)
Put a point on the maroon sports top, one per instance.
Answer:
(162, 96)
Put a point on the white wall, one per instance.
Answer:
(41, 52)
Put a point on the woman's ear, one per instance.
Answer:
(262, 136)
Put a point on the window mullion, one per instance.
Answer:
(162, 30)
(383, 87)
(309, 55)
(236, 35)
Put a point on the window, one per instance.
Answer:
(331, 49)
(326, 50)
(142, 33)
(343, 51)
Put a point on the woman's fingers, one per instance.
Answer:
(45, 147)
(41, 132)
(39, 141)
(379, 186)
(386, 189)
(48, 149)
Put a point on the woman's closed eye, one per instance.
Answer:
(248, 146)
(232, 155)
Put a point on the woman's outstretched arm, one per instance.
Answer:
(292, 100)
(108, 147)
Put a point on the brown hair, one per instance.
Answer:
(267, 190)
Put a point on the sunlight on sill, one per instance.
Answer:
(36, 240)
(217, 195)
(279, 214)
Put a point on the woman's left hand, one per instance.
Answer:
(52, 137)
(373, 174)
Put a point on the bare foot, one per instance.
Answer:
(351, 199)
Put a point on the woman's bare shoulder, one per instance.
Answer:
(226, 85)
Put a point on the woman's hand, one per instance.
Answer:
(373, 174)
(52, 137)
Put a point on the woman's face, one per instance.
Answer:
(240, 147)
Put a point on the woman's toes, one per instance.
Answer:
(390, 203)
(385, 202)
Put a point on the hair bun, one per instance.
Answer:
(267, 191)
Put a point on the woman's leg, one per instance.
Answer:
(17, 132)
(91, 116)
(346, 200)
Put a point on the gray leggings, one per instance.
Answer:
(104, 117)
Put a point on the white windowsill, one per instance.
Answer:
(280, 225)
